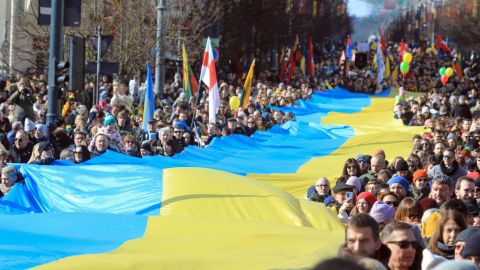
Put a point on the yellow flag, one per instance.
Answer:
(386, 74)
(247, 87)
(395, 73)
(303, 66)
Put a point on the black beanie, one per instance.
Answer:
(401, 165)
(472, 246)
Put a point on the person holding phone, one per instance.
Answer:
(344, 201)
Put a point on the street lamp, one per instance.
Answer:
(159, 51)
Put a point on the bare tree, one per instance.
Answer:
(132, 23)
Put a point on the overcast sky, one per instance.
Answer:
(359, 8)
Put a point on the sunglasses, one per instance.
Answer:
(413, 216)
(447, 156)
(405, 244)
(391, 203)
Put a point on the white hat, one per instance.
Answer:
(431, 260)
(29, 125)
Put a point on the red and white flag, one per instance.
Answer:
(342, 59)
(208, 76)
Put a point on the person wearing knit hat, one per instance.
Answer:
(430, 220)
(419, 188)
(109, 120)
(399, 186)
(401, 167)
(29, 125)
(363, 161)
(456, 265)
(365, 201)
(382, 213)
(430, 260)
(81, 109)
(428, 203)
(471, 250)
(461, 239)
(355, 182)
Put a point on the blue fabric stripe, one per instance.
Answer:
(31, 240)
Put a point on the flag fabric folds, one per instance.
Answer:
(350, 53)
(149, 105)
(190, 84)
(303, 64)
(441, 44)
(292, 63)
(247, 87)
(104, 218)
(402, 49)
(380, 65)
(457, 64)
(342, 58)
(311, 63)
(209, 77)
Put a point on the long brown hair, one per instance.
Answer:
(351, 161)
(406, 207)
(448, 215)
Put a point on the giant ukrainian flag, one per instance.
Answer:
(236, 204)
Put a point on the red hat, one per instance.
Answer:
(427, 136)
(369, 197)
(419, 173)
(427, 203)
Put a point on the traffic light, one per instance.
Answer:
(61, 72)
(77, 63)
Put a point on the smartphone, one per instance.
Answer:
(349, 195)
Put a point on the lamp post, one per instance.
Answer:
(56, 30)
(159, 51)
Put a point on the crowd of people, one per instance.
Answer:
(419, 211)
(116, 123)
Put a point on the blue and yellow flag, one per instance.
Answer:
(149, 106)
(206, 207)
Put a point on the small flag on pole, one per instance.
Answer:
(209, 77)
(190, 84)
(247, 87)
(149, 106)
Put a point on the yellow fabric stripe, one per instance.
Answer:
(374, 127)
(212, 220)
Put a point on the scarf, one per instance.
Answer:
(446, 250)
(449, 171)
